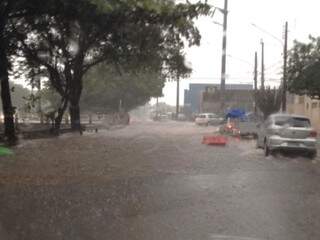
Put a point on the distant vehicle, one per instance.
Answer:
(287, 132)
(208, 119)
(164, 116)
(181, 117)
(170, 115)
(160, 117)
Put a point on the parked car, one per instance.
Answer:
(287, 132)
(181, 117)
(208, 119)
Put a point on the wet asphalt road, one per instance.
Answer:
(164, 184)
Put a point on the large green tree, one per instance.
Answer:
(304, 68)
(105, 88)
(268, 100)
(10, 10)
(141, 34)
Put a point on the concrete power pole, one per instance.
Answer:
(285, 57)
(178, 96)
(262, 65)
(255, 80)
(157, 108)
(224, 55)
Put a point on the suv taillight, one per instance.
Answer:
(313, 134)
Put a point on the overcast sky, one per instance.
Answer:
(244, 40)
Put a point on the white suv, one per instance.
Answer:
(287, 132)
(208, 119)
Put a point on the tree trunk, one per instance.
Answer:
(66, 119)
(75, 116)
(8, 110)
(74, 101)
(74, 107)
(57, 123)
(58, 119)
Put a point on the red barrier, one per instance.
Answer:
(215, 140)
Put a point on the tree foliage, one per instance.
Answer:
(105, 87)
(10, 11)
(268, 100)
(63, 39)
(19, 95)
(304, 68)
(143, 35)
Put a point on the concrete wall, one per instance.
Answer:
(242, 99)
(304, 105)
(193, 95)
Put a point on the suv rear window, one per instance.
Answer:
(300, 122)
(292, 121)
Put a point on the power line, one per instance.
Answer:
(275, 71)
(239, 59)
(274, 64)
(268, 33)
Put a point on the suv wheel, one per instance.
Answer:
(312, 155)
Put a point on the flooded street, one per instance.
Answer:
(155, 180)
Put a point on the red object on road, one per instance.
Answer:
(215, 140)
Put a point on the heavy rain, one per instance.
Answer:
(149, 120)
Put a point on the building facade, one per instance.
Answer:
(304, 105)
(206, 97)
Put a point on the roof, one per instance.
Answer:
(288, 115)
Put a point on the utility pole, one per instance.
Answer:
(120, 105)
(39, 100)
(255, 81)
(178, 95)
(224, 55)
(157, 108)
(262, 65)
(285, 57)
